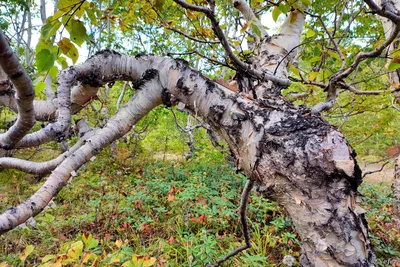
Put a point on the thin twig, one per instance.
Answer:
(245, 226)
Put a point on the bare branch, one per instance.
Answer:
(121, 96)
(236, 61)
(191, 37)
(244, 200)
(40, 168)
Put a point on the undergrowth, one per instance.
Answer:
(143, 212)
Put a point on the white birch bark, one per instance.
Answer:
(25, 95)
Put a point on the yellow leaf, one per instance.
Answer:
(312, 75)
(4, 264)
(76, 249)
(114, 260)
(118, 243)
(88, 256)
(28, 250)
(128, 264)
(293, 17)
(149, 261)
(137, 260)
(65, 45)
(243, 29)
(294, 69)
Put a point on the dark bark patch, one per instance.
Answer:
(93, 78)
(166, 97)
(148, 75)
(180, 85)
(210, 87)
(299, 123)
(107, 52)
(216, 112)
(12, 210)
(16, 74)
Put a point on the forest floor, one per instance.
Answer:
(164, 211)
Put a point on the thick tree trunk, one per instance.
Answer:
(294, 157)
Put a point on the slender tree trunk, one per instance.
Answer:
(28, 56)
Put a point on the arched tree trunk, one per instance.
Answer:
(291, 153)
(294, 157)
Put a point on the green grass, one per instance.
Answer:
(176, 214)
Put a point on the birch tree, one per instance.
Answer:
(289, 153)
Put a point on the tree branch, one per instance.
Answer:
(246, 68)
(25, 95)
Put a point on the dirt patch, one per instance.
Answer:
(386, 175)
(168, 157)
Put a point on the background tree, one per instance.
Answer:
(290, 153)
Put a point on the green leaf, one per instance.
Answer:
(77, 31)
(275, 13)
(310, 33)
(312, 75)
(334, 54)
(53, 72)
(306, 3)
(48, 30)
(43, 44)
(89, 241)
(76, 250)
(39, 87)
(67, 5)
(44, 60)
(63, 62)
(48, 257)
(315, 59)
(294, 69)
(81, 10)
(393, 66)
(284, 8)
(27, 252)
(256, 30)
(158, 4)
(91, 14)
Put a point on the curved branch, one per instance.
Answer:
(41, 168)
(25, 95)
